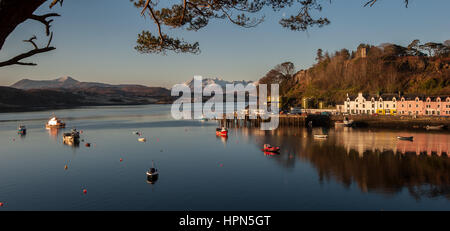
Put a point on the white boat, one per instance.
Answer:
(439, 127)
(55, 123)
(142, 140)
(321, 136)
(348, 123)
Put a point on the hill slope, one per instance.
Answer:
(380, 70)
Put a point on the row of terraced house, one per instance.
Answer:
(391, 104)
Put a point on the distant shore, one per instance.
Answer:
(9, 109)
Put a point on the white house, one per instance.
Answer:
(369, 104)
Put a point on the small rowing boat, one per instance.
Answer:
(438, 127)
(321, 136)
(142, 140)
(270, 148)
(409, 138)
(221, 131)
(152, 174)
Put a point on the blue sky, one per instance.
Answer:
(95, 40)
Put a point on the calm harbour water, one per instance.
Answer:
(354, 169)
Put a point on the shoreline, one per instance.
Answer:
(6, 109)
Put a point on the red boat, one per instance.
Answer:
(271, 153)
(221, 132)
(269, 148)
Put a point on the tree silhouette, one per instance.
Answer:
(191, 15)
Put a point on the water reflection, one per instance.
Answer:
(374, 161)
(53, 133)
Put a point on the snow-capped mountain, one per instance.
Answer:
(221, 82)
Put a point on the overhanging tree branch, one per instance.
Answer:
(43, 20)
(17, 59)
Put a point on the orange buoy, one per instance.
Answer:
(1, 204)
(221, 165)
(157, 139)
(88, 144)
(121, 159)
(84, 191)
(65, 167)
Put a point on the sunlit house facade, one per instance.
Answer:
(390, 104)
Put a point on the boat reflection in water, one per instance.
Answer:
(377, 162)
(53, 133)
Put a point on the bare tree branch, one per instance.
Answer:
(17, 60)
(31, 41)
(43, 19)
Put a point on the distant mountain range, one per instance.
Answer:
(222, 83)
(68, 92)
(65, 82)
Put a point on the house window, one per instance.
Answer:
(387, 105)
(381, 105)
(373, 105)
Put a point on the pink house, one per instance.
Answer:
(428, 106)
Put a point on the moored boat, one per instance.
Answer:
(54, 122)
(22, 130)
(347, 122)
(410, 138)
(270, 148)
(72, 136)
(221, 131)
(152, 174)
(142, 140)
(438, 127)
(321, 136)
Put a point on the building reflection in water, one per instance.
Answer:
(423, 143)
(376, 161)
